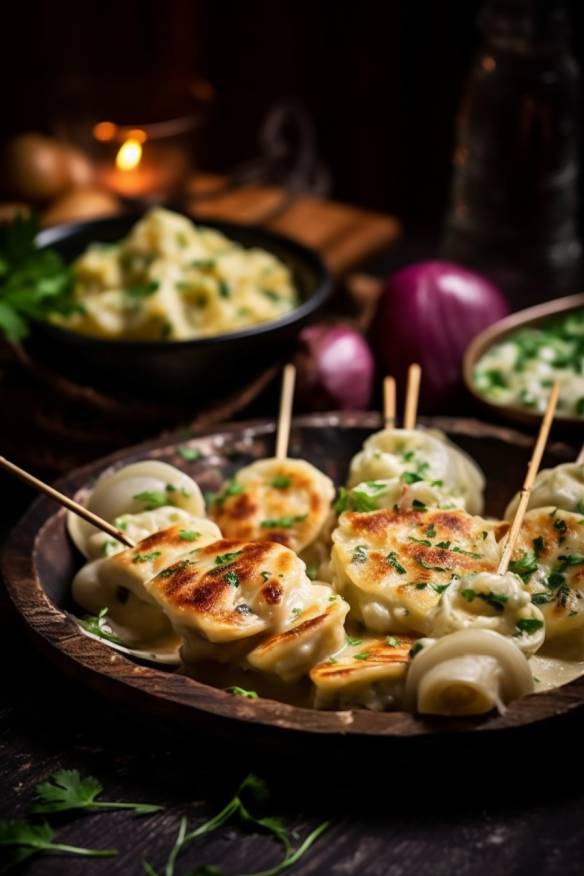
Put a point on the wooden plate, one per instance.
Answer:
(39, 562)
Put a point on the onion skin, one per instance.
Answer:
(335, 368)
(429, 312)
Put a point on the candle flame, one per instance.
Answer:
(129, 155)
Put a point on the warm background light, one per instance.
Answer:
(129, 155)
(104, 131)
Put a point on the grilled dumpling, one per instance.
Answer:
(141, 486)
(282, 500)
(394, 453)
(549, 556)
(368, 673)
(469, 672)
(489, 601)
(232, 601)
(140, 526)
(392, 566)
(559, 487)
(117, 582)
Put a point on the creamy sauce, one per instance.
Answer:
(521, 369)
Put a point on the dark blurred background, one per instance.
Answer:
(381, 80)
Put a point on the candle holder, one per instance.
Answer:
(140, 134)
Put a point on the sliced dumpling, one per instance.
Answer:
(418, 454)
(489, 601)
(118, 582)
(368, 673)
(559, 487)
(141, 486)
(316, 632)
(392, 566)
(282, 500)
(140, 526)
(549, 556)
(469, 672)
(233, 601)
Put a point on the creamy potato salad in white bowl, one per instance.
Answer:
(161, 302)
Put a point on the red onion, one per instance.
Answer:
(429, 313)
(335, 368)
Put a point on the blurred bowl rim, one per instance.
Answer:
(503, 328)
(53, 236)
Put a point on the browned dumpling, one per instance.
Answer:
(282, 500)
(392, 566)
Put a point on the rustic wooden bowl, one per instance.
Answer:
(500, 330)
(39, 562)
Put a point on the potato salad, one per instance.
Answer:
(521, 369)
(172, 280)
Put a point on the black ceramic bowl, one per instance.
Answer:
(204, 368)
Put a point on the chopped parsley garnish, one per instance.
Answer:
(97, 625)
(525, 566)
(363, 655)
(423, 541)
(232, 578)
(528, 625)
(459, 550)
(188, 535)
(145, 290)
(362, 502)
(444, 545)
(109, 547)
(422, 562)
(189, 454)
(393, 642)
(241, 692)
(415, 649)
(28, 839)
(571, 559)
(281, 482)
(393, 561)
(440, 588)
(351, 640)
(296, 612)
(359, 554)
(232, 488)
(410, 477)
(146, 558)
(312, 572)
(224, 289)
(265, 575)
(223, 559)
(152, 499)
(419, 506)
(283, 522)
(496, 600)
(431, 531)
(538, 546)
(561, 527)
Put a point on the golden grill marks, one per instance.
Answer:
(369, 672)
(393, 566)
(250, 603)
(282, 500)
(549, 557)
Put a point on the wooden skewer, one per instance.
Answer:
(71, 504)
(580, 457)
(285, 415)
(389, 402)
(532, 469)
(412, 395)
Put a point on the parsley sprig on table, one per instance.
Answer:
(67, 790)
(251, 790)
(27, 839)
(33, 282)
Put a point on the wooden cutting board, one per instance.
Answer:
(345, 236)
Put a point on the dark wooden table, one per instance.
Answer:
(509, 804)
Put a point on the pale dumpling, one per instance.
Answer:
(559, 487)
(133, 489)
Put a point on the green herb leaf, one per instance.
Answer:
(419, 506)
(283, 522)
(525, 566)
(528, 625)
(146, 558)
(241, 692)
(410, 477)
(35, 838)
(189, 454)
(363, 655)
(359, 554)
(281, 482)
(67, 790)
(351, 640)
(152, 499)
(223, 559)
(232, 578)
(342, 500)
(393, 642)
(393, 561)
(145, 290)
(97, 625)
(188, 535)
(422, 562)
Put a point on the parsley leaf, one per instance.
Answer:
(232, 578)
(67, 789)
(189, 454)
(528, 625)
(223, 559)
(152, 499)
(281, 482)
(97, 625)
(29, 839)
(145, 558)
(525, 566)
(359, 554)
(394, 563)
(342, 501)
(410, 477)
(188, 535)
(241, 692)
(283, 522)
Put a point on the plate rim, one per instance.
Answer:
(57, 632)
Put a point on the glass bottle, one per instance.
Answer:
(514, 202)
